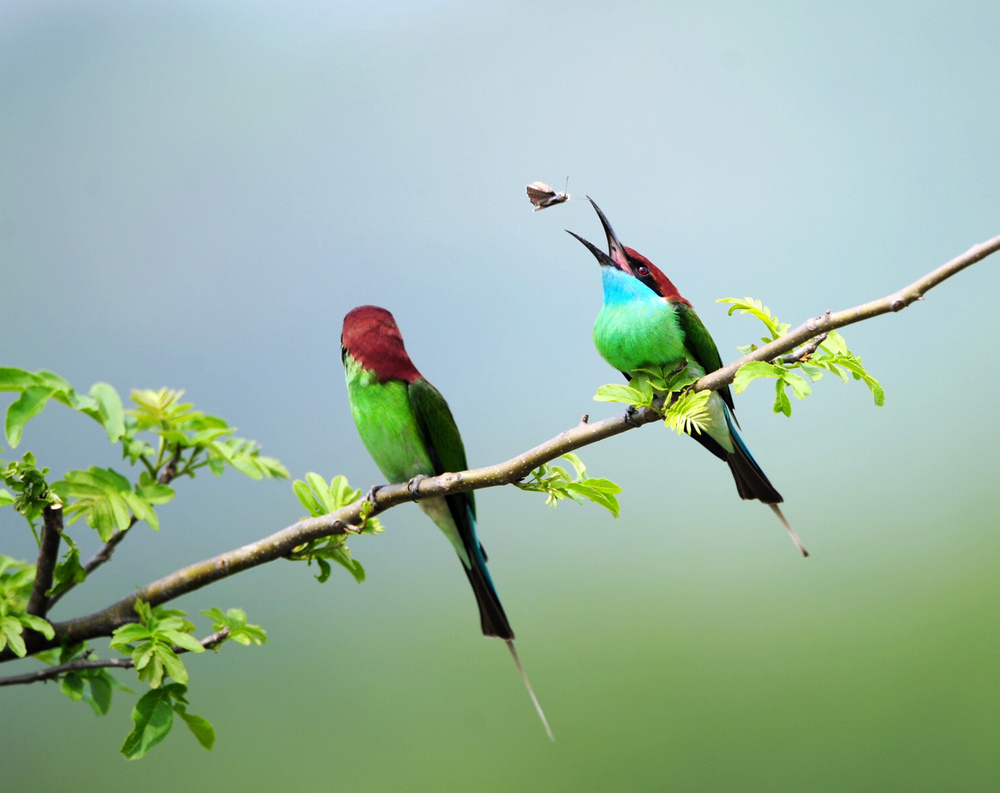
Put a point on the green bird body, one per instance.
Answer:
(409, 431)
(645, 322)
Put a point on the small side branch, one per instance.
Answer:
(102, 555)
(48, 553)
(803, 353)
(54, 672)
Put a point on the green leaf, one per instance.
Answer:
(556, 483)
(5, 497)
(322, 491)
(750, 306)
(800, 387)
(100, 692)
(10, 634)
(600, 491)
(236, 621)
(781, 401)
(577, 463)
(306, 498)
(173, 665)
(689, 413)
(153, 716)
(834, 344)
(200, 728)
(342, 556)
(69, 571)
(619, 393)
(110, 410)
(72, 686)
(103, 497)
(185, 640)
(16, 379)
(126, 634)
(37, 624)
(751, 371)
(156, 494)
(30, 403)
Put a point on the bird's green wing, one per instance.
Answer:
(444, 444)
(701, 344)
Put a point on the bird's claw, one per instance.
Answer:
(370, 495)
(630, 414)
(413, 484)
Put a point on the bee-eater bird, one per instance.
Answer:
(645, 322)
(409, 431)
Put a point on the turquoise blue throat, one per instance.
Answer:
(636, 327)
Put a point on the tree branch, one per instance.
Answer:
(48, 553)
(201, 574)
(104, 663)
(897, 301)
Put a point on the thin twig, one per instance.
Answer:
(102, 555)
(801, 354)
(53, 672)
(201, 574)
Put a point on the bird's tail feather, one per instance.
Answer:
(751, 482)
(491, 613)
(493, 619)
(531, 692)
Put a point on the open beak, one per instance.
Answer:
(616, 251)
(602, 258)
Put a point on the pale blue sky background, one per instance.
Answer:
(194, 195)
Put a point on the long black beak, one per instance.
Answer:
(602, 258)
(615, 249)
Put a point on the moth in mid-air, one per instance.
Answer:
(542, 196)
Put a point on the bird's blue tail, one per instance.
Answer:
(751, 481)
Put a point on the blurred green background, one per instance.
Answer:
(194, 194)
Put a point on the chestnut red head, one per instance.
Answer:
(372, 338)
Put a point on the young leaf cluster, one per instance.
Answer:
(686, 411)
(320, 498)
(33, 493)
(557, 483)
(153, 717)
(152, 640)
(108, 502)
(830, 355)
(16, 580)
(189, 440)
(234, 622)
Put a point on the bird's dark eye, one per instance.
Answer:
(642, 270)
